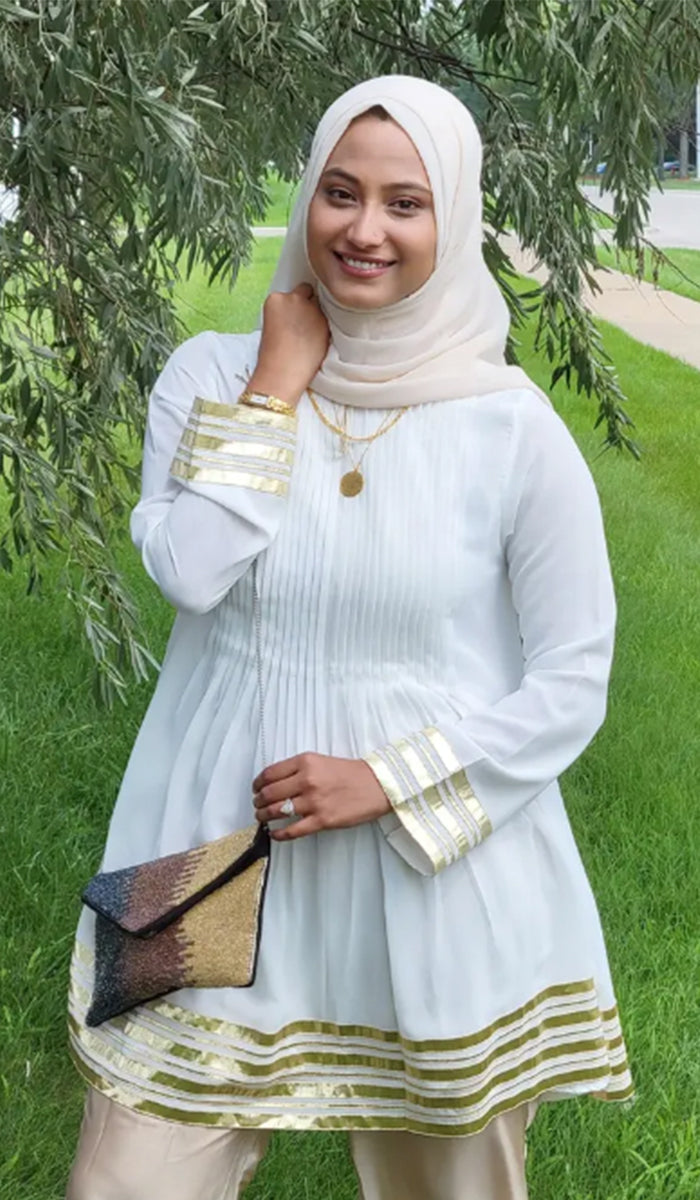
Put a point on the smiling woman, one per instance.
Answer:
(387, 665)
(371, 231)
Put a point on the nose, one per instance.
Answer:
(365, 230)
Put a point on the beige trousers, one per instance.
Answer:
(124, 1155)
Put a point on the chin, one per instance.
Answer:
(358, 295)
(369, 303)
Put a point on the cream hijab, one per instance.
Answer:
(447, 340)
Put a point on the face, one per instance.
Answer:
(371, 233)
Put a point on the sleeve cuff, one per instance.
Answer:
(432, 798)
(238, 445)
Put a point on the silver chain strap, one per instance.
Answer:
(257, 616)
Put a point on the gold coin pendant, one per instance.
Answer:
(352, 483)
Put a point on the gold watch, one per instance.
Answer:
(272, 403)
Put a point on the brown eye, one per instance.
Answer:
(338, 193)
(406, 205)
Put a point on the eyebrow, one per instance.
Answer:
(410, 185)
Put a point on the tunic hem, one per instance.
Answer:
(182, 1066)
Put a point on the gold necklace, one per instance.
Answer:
(353, 481)
(342, 431)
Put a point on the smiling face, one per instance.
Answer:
(371, 232)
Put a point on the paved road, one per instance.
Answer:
(269, 230)
(674, 216)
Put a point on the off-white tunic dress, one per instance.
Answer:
(453, 625)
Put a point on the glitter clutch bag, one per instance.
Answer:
(188, 920)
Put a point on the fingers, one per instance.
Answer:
(298, 829)
(276, 301)
(273, 812)
(293, 778)
(281, 770)
(273, 793)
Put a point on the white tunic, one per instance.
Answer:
(453, 624)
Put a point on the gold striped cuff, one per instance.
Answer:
(237, 445)
(431, 795)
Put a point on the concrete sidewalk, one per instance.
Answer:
(661, 319)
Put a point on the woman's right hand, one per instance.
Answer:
(293, 344)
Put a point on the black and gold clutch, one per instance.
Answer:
(187, 920)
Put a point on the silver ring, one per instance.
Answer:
(287, 808)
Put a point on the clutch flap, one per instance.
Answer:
(144, 899)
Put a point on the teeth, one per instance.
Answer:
(360, 264)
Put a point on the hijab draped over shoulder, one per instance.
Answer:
(446, 340)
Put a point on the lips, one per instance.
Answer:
(362, 265)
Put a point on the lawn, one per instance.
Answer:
(202, 307)
(689, 184)
(632, 799)
(681, 274)
(282, 196)
(680, 185)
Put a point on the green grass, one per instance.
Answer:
(632, 800)
(673, 183)
(282, 196)
(680, 185)
(681, 274)
(602, 220)
(200, 306)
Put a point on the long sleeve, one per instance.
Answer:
(452, 785)
(215, 473)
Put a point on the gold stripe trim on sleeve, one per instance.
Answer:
(218, 456)
(433, 799)
(244, 414)
(435, 803)
(465, 794)
(411, 821)
(420, 832)
(193, 441)
(413, 811)
(457, 775)
(422, 777)
(385, 777)
(441, 746)
(200, 459)
(259, 483)
(422, 799)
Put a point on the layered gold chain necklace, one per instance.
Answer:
(353, 481)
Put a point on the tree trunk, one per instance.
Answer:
(684, 154)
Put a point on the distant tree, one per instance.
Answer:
(136, 135)
(678, 119)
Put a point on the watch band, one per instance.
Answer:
(272, 403)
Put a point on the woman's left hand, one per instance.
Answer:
(328, 793)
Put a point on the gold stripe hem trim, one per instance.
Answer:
(320, 1057)
(579, 991)
(237, 1120)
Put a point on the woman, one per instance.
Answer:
(436, 626)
